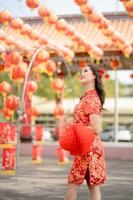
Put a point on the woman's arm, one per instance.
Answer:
(96, 123)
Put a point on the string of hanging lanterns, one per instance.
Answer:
(104, 26)
(128, 4)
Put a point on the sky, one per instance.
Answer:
(18, 9)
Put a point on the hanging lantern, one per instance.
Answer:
(5, 17)
(10, 41)
(8, 133)
(7, 113)
(107, 76)
(58, 85)
(61, 25)
(5, 88)
(58, 111)
(43, 40)
(31, 87)
(83, 63)
(39, 129)
(2, 35)
(42, 56)
(115, 63)
(14, 58)
(34, 35)
(52, 18)
(131, 76)
(18, 72)
(43, 11)
(32, 112)
(26, 30)
(50, 67)
(17, 23)
(12, 102)
(32, 3)
(80, 2)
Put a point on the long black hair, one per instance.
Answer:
(98, 83)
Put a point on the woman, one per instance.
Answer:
(88, 112)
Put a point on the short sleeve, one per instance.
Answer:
(92, 105)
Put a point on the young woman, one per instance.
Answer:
(88, 112)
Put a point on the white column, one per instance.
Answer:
(116, 114)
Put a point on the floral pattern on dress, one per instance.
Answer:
(92, 165)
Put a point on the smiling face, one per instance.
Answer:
(86, 76)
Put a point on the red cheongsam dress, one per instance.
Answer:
(90, 166)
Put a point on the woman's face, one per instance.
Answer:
(86, 75)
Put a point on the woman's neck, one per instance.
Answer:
(89, 87)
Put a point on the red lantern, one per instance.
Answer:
(26, 29)
(131, 76)
(18, 71)
(2, 36)
(7, 133)
(5, 16)
(50, 67)
(31, 87)
(10, 41)
(58, 85)
(58, 111)
(43, 11)
(61, 25)
(14, 58)
(7, 113)
(34, 35)
(32, 3)
(32, 112)
(42, 56)
(43, 40)
(52, 18)
(107, 76)
(12, 102)
(17, 23)
(5, 87)
(115, 63)
(80, 2)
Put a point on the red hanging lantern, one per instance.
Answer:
(18, 71)
(43, 40)
(61, 25)
(5, 17)
(107, 76)
(26, 30)
(7, 113)
(10, 41)
(50, 67)
(80, 2)
(32, 112)
(5, 88)
(14, 58)
(7, 133)
(58, 111)
(52, 18)
(115, 63)
(58, 85)
(31, 87)
(12, 102)
(32, 3)
(2, 36)
(43, 11)
(34, 35)
(17, 23)
(42, 56)
(131, 76)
